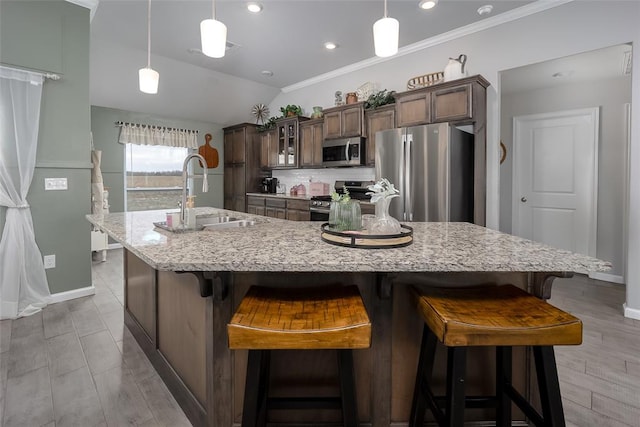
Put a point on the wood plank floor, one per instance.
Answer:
(75, 364)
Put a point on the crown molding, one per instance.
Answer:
(92, 5)
(494, 21)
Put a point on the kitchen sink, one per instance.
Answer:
(212, 219)
(232, 223)
(203, 222)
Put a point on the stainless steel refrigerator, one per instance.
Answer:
(432, 166)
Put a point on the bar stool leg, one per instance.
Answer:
(456, 367)
(347, 388)
(263, 387)
(425, 368)
(254, 390)
(503, 380)
(549, 386)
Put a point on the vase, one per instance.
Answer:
(345, 216)
(383, 222)
(317, 113)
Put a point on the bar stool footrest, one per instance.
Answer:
(304, 403)
(524, 406)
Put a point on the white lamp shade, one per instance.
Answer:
(385, 36)
(148, 80)
(214, 38)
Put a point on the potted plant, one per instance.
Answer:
(379, 99)
(269, 124)
(291, 110)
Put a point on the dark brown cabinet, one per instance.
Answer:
(287, 142)
(268, 148)
(275, 208)
(241, 165)
(298, 210)
(311, 137)
(382, 118)
(344, 121)
(256, 205)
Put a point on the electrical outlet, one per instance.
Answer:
(49, 261)
(55, 184)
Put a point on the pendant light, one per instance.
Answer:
(213, 35)
(385, 35)
(148, 77)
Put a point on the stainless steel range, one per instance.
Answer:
(319, 206)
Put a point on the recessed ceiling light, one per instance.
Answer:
(485, 10)
(330, 45)
(267, 73)
(427, 4)
(254, 7)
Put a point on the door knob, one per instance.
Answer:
(523, 199)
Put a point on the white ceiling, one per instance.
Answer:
(286, 38)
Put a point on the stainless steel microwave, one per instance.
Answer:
(343, 152)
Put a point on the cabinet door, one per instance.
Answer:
(452, 104)
(265, 142)
(281, 213)
(332, 124)
(317, 144)
(413, 109)
(351, 121)
(228, 147)
(228, 182)
(287, 144)
(378, 120)
(239, 138)
(306, 145)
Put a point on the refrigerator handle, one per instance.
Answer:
(408, 208)
(346, 150)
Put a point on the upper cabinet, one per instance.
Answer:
(268, 148)
(241, 165)
(344, 121)
(458, 101)
(311, 137)
(381, 118)
(287, 142)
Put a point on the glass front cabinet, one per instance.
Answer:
(288, 141)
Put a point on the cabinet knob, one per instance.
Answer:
(523, 199)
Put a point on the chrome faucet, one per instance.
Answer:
(185, 177)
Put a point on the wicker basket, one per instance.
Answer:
(425, 80)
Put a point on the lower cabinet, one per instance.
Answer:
(282, 208)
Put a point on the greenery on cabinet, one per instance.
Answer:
(291, 110)
(268, 125)
(379, 99)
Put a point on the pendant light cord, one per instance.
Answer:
(149, 35)
(385, 8)
(213, 9)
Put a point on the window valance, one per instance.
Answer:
(132, 133)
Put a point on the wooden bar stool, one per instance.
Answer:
(501, 316)
(330, 317)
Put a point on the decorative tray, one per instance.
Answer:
(425, 80)
(355, 239)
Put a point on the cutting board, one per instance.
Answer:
(209, 153)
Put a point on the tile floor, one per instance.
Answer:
(75, 364)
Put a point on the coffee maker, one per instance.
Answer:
(269, 185)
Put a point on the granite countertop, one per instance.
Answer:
(280, 245)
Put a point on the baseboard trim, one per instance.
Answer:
(72, 294)
(605, 277)
(631, 313)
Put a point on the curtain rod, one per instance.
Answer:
(44, 74)
(120, 123)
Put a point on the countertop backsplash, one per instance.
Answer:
(291, 177)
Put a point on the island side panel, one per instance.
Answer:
(140, 294)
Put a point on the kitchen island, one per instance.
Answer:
(181, 290)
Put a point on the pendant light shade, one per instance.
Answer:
(214, 38)
(213, 35)
(147, 77)
(385, 35)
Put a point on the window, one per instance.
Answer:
(153, 177)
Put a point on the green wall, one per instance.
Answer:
(105, 139)
(53, 36)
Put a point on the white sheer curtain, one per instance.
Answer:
(23, 284)
(157, 135)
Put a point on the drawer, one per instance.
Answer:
(255, 201)
(276, 203)
(300, 205)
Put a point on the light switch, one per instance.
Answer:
(55, 184)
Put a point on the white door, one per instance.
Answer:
(555, 172)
